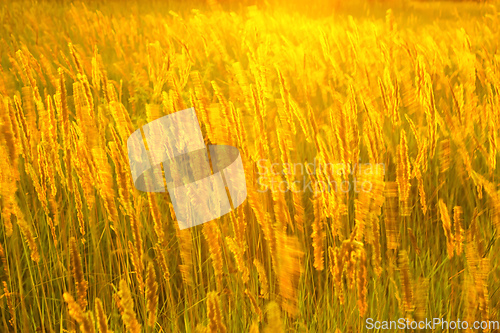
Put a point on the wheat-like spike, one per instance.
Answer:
(458, 229)
(88, 324)
(87, 96)
(362, 207)
(369, 140)
(155, 213)
(85, 117)
(337, 269)
(352, 115)
(299, 208)
(85, 319)
(122, 176)
(127, 308)
(39, 188)
(350, 258)
(138, 265)
(84, 166)
(28, 72)
(27, 232)
(76, 58)
(260, 123)
(10, 133)
(78, 275)
(377, 253)
(15, 65)
(338, 121)
(121, 118)
(274, 321)
(3, 261)
(421, 160)
(493, 144)
(255, 306)
(495, 212)
(23, 129)
(264, 284)
(42, 172)
(239, 225)
(284, 117)
(75, 311)
(304, 124)
(430, 111)
(362, 282)
(102, 321)
(421, 189)
(376, 124)
(314, 128)
(153, 112)
(284, 145)
(8, 190)
(214, 314)
(136, 235)
(444, 157)
(50, 178)
(445, 218)
(105, 184)
(403, 174)
(240, 128)
(174, 85)
(62, 109)
(227, 121)
(414, 130)
(46, 178)
(10, 304)
(200, 94)
(213, 238)
(36, 66)
(151, 294)
(318, 235)
(265, 222)
(238, 253)
(162, 262)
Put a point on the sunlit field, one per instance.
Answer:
(369, 135)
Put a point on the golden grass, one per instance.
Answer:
(407, 90)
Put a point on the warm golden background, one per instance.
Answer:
(412, 85)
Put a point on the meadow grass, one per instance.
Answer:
(412, 86)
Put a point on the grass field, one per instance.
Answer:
(403, 97)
